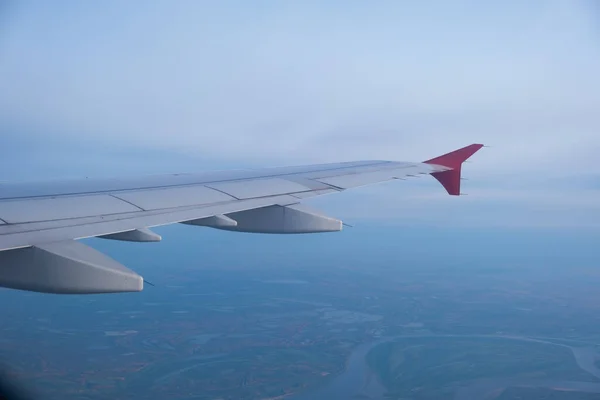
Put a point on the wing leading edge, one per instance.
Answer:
(39, 224)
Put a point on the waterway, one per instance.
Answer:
(358, 379)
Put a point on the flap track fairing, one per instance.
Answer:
(67, 268)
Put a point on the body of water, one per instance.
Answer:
(358, 379)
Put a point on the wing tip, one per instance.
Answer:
(450, 179)
(455, 158)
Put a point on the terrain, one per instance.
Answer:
(235, 320)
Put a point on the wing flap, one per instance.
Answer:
(307, 195)
(156, 199)
(247, 189)
(53, 208)
(355, 180)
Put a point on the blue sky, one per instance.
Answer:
(105, 88)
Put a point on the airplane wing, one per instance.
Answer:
(40, 223)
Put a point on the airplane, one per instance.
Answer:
(40, 223)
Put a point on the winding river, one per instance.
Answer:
(358, 379)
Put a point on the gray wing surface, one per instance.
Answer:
(40, 223)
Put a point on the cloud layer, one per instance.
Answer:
(294, 82)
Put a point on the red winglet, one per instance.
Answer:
(450, 179)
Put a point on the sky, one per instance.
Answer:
(112, 87)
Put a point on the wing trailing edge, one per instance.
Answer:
(450, 179)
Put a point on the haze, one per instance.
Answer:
(233, 84)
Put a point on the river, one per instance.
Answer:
(358, 379)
